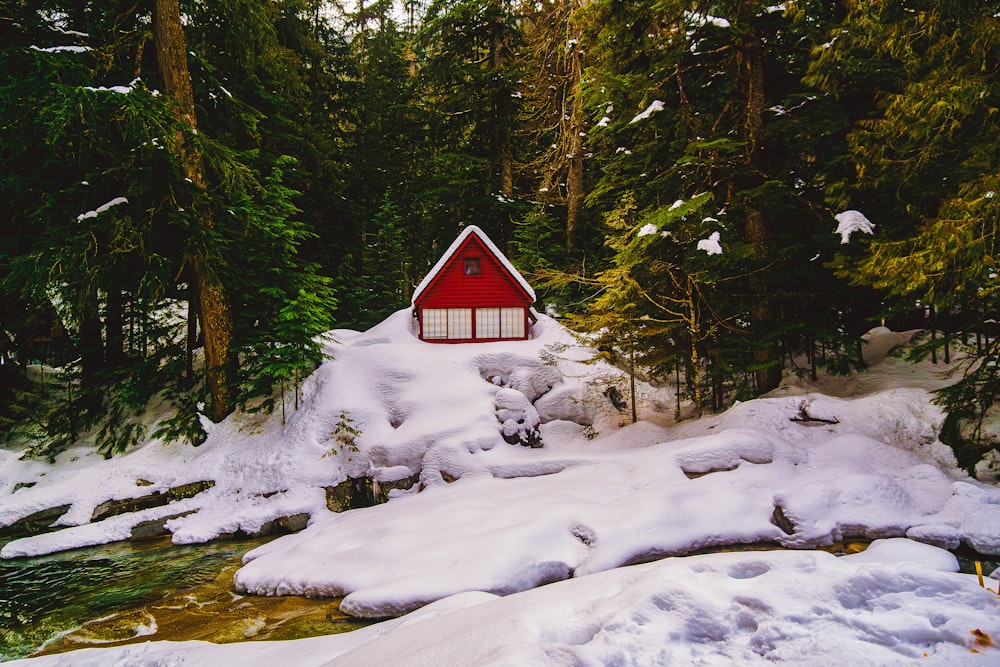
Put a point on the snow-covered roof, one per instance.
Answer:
(453, 248)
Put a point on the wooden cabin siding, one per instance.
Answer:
(493, 287)
(454, 304)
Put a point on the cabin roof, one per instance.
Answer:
(454, 247)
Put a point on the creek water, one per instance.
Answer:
(121, 593)
(126, 592)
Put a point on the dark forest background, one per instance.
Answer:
(192, 192)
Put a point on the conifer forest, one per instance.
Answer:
(716, 191)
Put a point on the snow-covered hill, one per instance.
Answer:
(801, 468)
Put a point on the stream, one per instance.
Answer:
(135, 592)
(129, 592)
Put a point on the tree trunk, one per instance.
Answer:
(91, 345)
(114, 328)
(750, 62)
(216, 316)
(574, 178)
(503, 136)
(193, 341)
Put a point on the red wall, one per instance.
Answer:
(493, 288)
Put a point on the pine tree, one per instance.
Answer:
(927, 168)
(214, 306)
(555, 119)
(469, 87)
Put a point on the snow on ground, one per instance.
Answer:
(898, 603)
(418, 406)
(809, 465)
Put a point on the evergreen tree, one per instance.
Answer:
(927, 173)
(555, 121)
(214, 303)
(707, 97)
(469, 86)
(117, 188)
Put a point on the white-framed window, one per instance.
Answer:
(435, 323)
(512, 323)
(459, 323)
(456, 323)
(487, 322)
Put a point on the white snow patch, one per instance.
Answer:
(851, 221)
(117, 201)
(61, 49)
(711, 245)
(655, 106)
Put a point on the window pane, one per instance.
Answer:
(487, 322)
(512, 323)
(459, 323)
(435, 323)
(472, 266)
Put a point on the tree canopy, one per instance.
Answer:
(186, 211)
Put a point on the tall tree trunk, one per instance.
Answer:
(114, 327)
(193, 341)
(216, 316)
(91, 345)
(574, 178)
(750, 62)
(503, 135)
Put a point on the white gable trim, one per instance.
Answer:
(453, 248)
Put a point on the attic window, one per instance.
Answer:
(473, 266)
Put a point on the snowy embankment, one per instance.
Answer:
(799, 469)
(413, 403)
(895, 604)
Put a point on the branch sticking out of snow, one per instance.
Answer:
(711, 244)
(852, 221)
(657, 105)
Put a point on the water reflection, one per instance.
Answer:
(48, 595)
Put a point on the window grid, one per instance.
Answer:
(511, 323)
(435, 323)
(487, 323)
(459, 323)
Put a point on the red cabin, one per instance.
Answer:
(473, 294)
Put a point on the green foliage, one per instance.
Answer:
(348, 147)
(291, 304)
(377, 287)
(970, 403)
(926, 160)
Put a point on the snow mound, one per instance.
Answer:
(508, 527)
(386, 401)
(736, 608)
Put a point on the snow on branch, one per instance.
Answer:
(711, 244)
(61, 49)
(852, 221)
(101, 209)
(657, 105)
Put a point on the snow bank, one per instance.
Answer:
(506, 527)
(734, 608)
(417, 406)
(800, 468)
